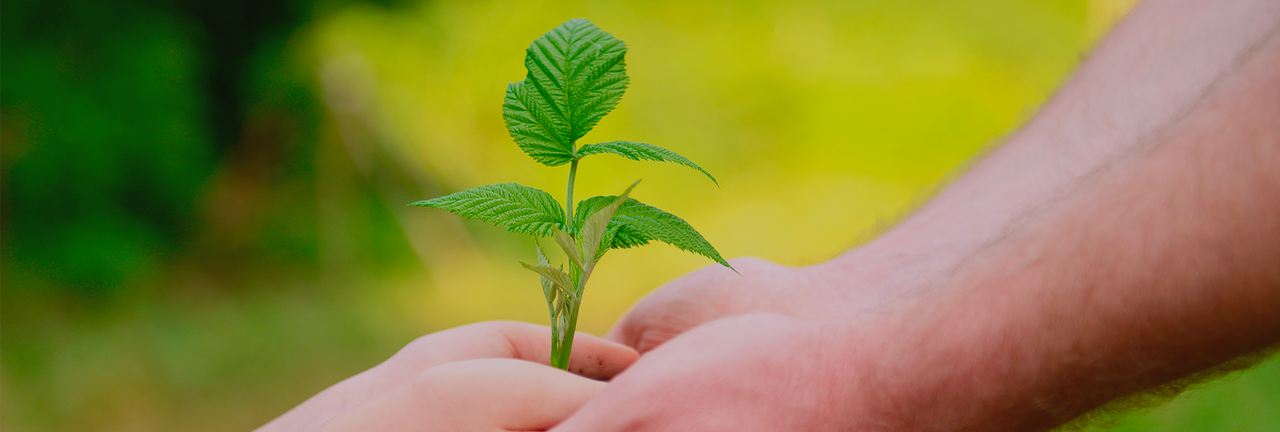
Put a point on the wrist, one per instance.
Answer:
(934, 363)
(890, 269)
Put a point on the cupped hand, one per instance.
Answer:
(401, 378)
(757, 372)
(480, 395)
(715, 292)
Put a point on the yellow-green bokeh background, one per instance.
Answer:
(822, 120)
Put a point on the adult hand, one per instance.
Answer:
(757, 372)
(408, 376)
(714, 292)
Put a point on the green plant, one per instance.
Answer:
(577, 75)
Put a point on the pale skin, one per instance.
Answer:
(1148, 73)
(484, 377)
(1127, 237)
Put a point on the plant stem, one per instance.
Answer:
(568, 200)
(560, 359)
(561, 348)
(558, 348)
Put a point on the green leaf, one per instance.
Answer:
(595, 226)
(548, 287)
(570, 248)
(537, 131)
(576, 75)
(639, 151)
(557, 277)
(636, 223)
(622, 236)
(519, 209)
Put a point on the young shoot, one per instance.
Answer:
(576, 75)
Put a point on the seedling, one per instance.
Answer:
(577, 75)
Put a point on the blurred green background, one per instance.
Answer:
(203, 203)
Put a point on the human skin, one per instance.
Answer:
(1162, 266)
(479, 377)
(1158, 266)
(1153, 69)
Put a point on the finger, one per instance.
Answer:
(474, 395)
(651, 323)
(706, 379)
(592, 357)
(611, 410)
(625, 327)
(712, 293)
(673, 309)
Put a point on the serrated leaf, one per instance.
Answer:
(639, 151)
(623, 236)
(576, 75)
(568, 246)
(548, 287)
(520, 209)
(636, 223)
(558, 277)
(539, 132)
(595, 226)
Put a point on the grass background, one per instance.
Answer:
(203, 203)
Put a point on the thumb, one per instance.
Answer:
(660, 317)
(592, 356)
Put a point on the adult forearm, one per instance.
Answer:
(1147, 74)
(1163, 265)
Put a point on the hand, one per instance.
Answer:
(714, 292)
(473, 395)
(411, 384)
(758, 372)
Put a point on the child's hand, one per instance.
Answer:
(437, 382)
(473, 395)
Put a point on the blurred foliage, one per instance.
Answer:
(203, 202)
